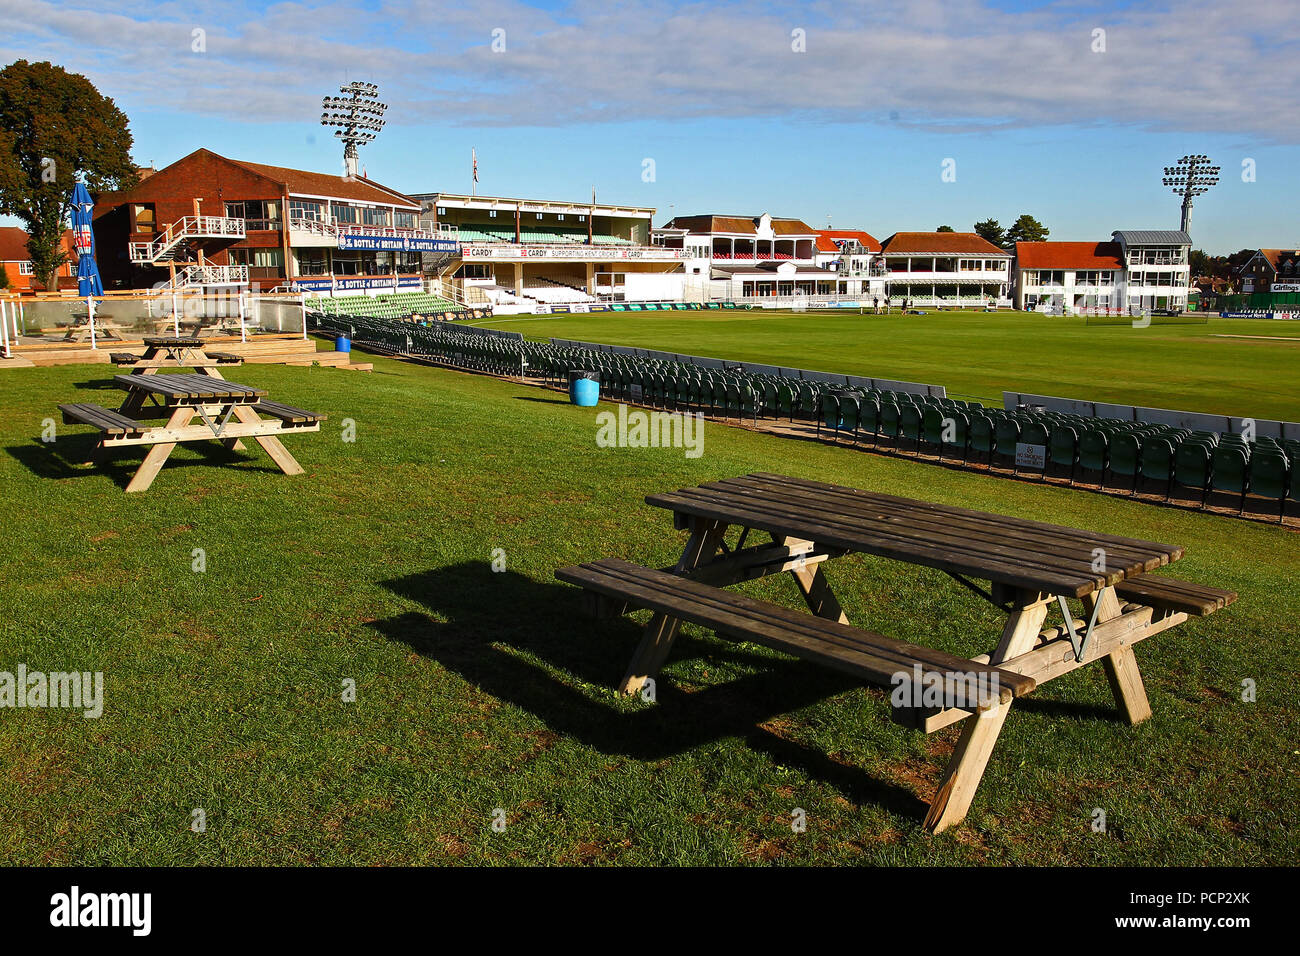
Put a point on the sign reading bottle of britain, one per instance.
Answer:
(396, 243)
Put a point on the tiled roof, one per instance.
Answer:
(940, 243)
(868, 241)
(1277, 257)
(13, 244)
(1069, 255)
(304, 182)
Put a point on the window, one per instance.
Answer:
(442, 210)
(258, 258)
(404, 220)
(306, 209)
(312, 262)
(492, 213)
(144, 219)
(559, 217)
(256, 213)
(343, 213)
(24, 268)
(374, 216)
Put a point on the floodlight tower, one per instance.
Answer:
(1191, 176)
(357, 116)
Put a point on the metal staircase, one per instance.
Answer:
(177, 236)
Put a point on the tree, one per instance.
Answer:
(1026, 229)
(945, 229)
(991, 231)
(53, 125)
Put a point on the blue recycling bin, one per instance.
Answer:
(343, 344)
(584, 388)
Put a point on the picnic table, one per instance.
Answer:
(211, 399)
(79, 330)
(1031, 567)
(175, 352)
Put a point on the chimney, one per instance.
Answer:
(350, 164)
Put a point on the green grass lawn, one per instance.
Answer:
(977, 355)
(480, 691)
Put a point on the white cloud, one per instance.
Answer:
(1195, 65)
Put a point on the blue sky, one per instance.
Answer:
(844, 109)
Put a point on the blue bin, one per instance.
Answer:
(343, 344)
(584, 388)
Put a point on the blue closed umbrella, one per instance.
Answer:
(83, 237)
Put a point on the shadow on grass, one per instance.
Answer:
(542, 401)
(506, 633)
(71, 457)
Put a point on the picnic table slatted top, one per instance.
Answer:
(187, 387)
(172, 342)
(1016, 552)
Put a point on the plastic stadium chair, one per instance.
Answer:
(1158, 463)
(1007, 435)
(1126, 458)
(932, 423)
(1270, 475)
(830, 416)
(982, 436)
(1064, 448)
(891, 419)
(1192, 467)
(1094, 448)
(910, 425)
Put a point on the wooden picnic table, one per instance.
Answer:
(1031, 567)
(79, 330)
(227, 412)
(175, 352)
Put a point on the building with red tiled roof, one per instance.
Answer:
(1269, 266)
(1138, 270)
(213, 221)
(1080, 274)
(16, 261)
(946, 269)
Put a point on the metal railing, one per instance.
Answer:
(190, 227)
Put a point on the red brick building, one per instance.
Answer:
(17, 261)
(206, 220)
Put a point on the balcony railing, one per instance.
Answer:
(567, 250)
(335, 229)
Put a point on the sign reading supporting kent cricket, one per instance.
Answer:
(396, 243)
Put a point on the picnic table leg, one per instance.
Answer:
(158, 454)
(1121, 665)
(661, 631)
(270, 444)
(816, 590)
(962, 776)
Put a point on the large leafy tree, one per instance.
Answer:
(53, 125)
(1026, 229)
(945, 229)
(991, 231)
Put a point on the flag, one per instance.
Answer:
(474, 153)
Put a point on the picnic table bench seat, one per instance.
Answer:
(124, 358)
(287, 413)
(1171, 594)
(105, 419)
(225, 358)
(873, 658)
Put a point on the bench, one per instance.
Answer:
(288, 414)
(1171, 594)
(106, 420)
(873, 658)
(225, 358)
(124, 358)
